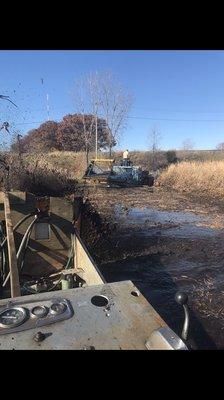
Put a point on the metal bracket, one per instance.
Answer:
(165, 339)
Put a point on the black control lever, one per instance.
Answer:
(182, 299)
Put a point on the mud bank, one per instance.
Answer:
(164, 243)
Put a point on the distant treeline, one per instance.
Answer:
(75, 132)
(162, 159)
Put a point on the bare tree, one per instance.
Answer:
(116, 103)
(100, 94)
(154, 138)
(87, 98)
(187, 144)
(220, 146)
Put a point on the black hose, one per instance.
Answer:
(17, 225)
(21, 246)
(25, 247)
(26, 234)
(71, 254)
(3, 263)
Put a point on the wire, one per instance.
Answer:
(178, 120)
(136, 117)
(149, 109)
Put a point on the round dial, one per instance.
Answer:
(12, 317)
(39, 311)
(58, 308)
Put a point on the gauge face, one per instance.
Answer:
(58, 308)
(12, 317)
(39, 311)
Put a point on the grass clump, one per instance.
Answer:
(199, 179)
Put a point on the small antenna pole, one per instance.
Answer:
(48, 108)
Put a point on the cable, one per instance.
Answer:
(178, 120)
(146, 118)
(149, 109)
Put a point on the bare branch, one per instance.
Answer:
(116, 103)
(187, 144)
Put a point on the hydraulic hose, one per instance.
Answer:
(21, 246)
(25, 237)
(3, 263)
(3, 258)
(71, 254)
(17, 226)
(25, 247)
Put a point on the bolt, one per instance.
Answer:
(107, 314)
(39, 337)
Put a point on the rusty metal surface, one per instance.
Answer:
(43, 255)
(126, 322)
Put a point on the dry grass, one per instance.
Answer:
(55, 173)
(51, 173)
(200, 179)
(74, 164)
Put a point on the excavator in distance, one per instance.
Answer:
(106, 173)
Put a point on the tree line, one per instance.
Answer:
(75, 132)
(101, 105)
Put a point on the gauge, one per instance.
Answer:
(39, 311)
(12, 317)
(58, 308)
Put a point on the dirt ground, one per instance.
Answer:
(165, 242)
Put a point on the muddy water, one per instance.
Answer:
(164, 251)
(174, 223)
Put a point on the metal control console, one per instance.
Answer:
(28, 315)
(109, 316)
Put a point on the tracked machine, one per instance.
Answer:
(105, 173)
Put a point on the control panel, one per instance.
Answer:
(20, 317)
(108, 316)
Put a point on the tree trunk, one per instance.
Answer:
(87, 157)
(110, 150)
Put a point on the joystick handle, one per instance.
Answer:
(182, 299)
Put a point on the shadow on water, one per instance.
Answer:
(157, 286)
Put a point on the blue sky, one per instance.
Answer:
(181, 92)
